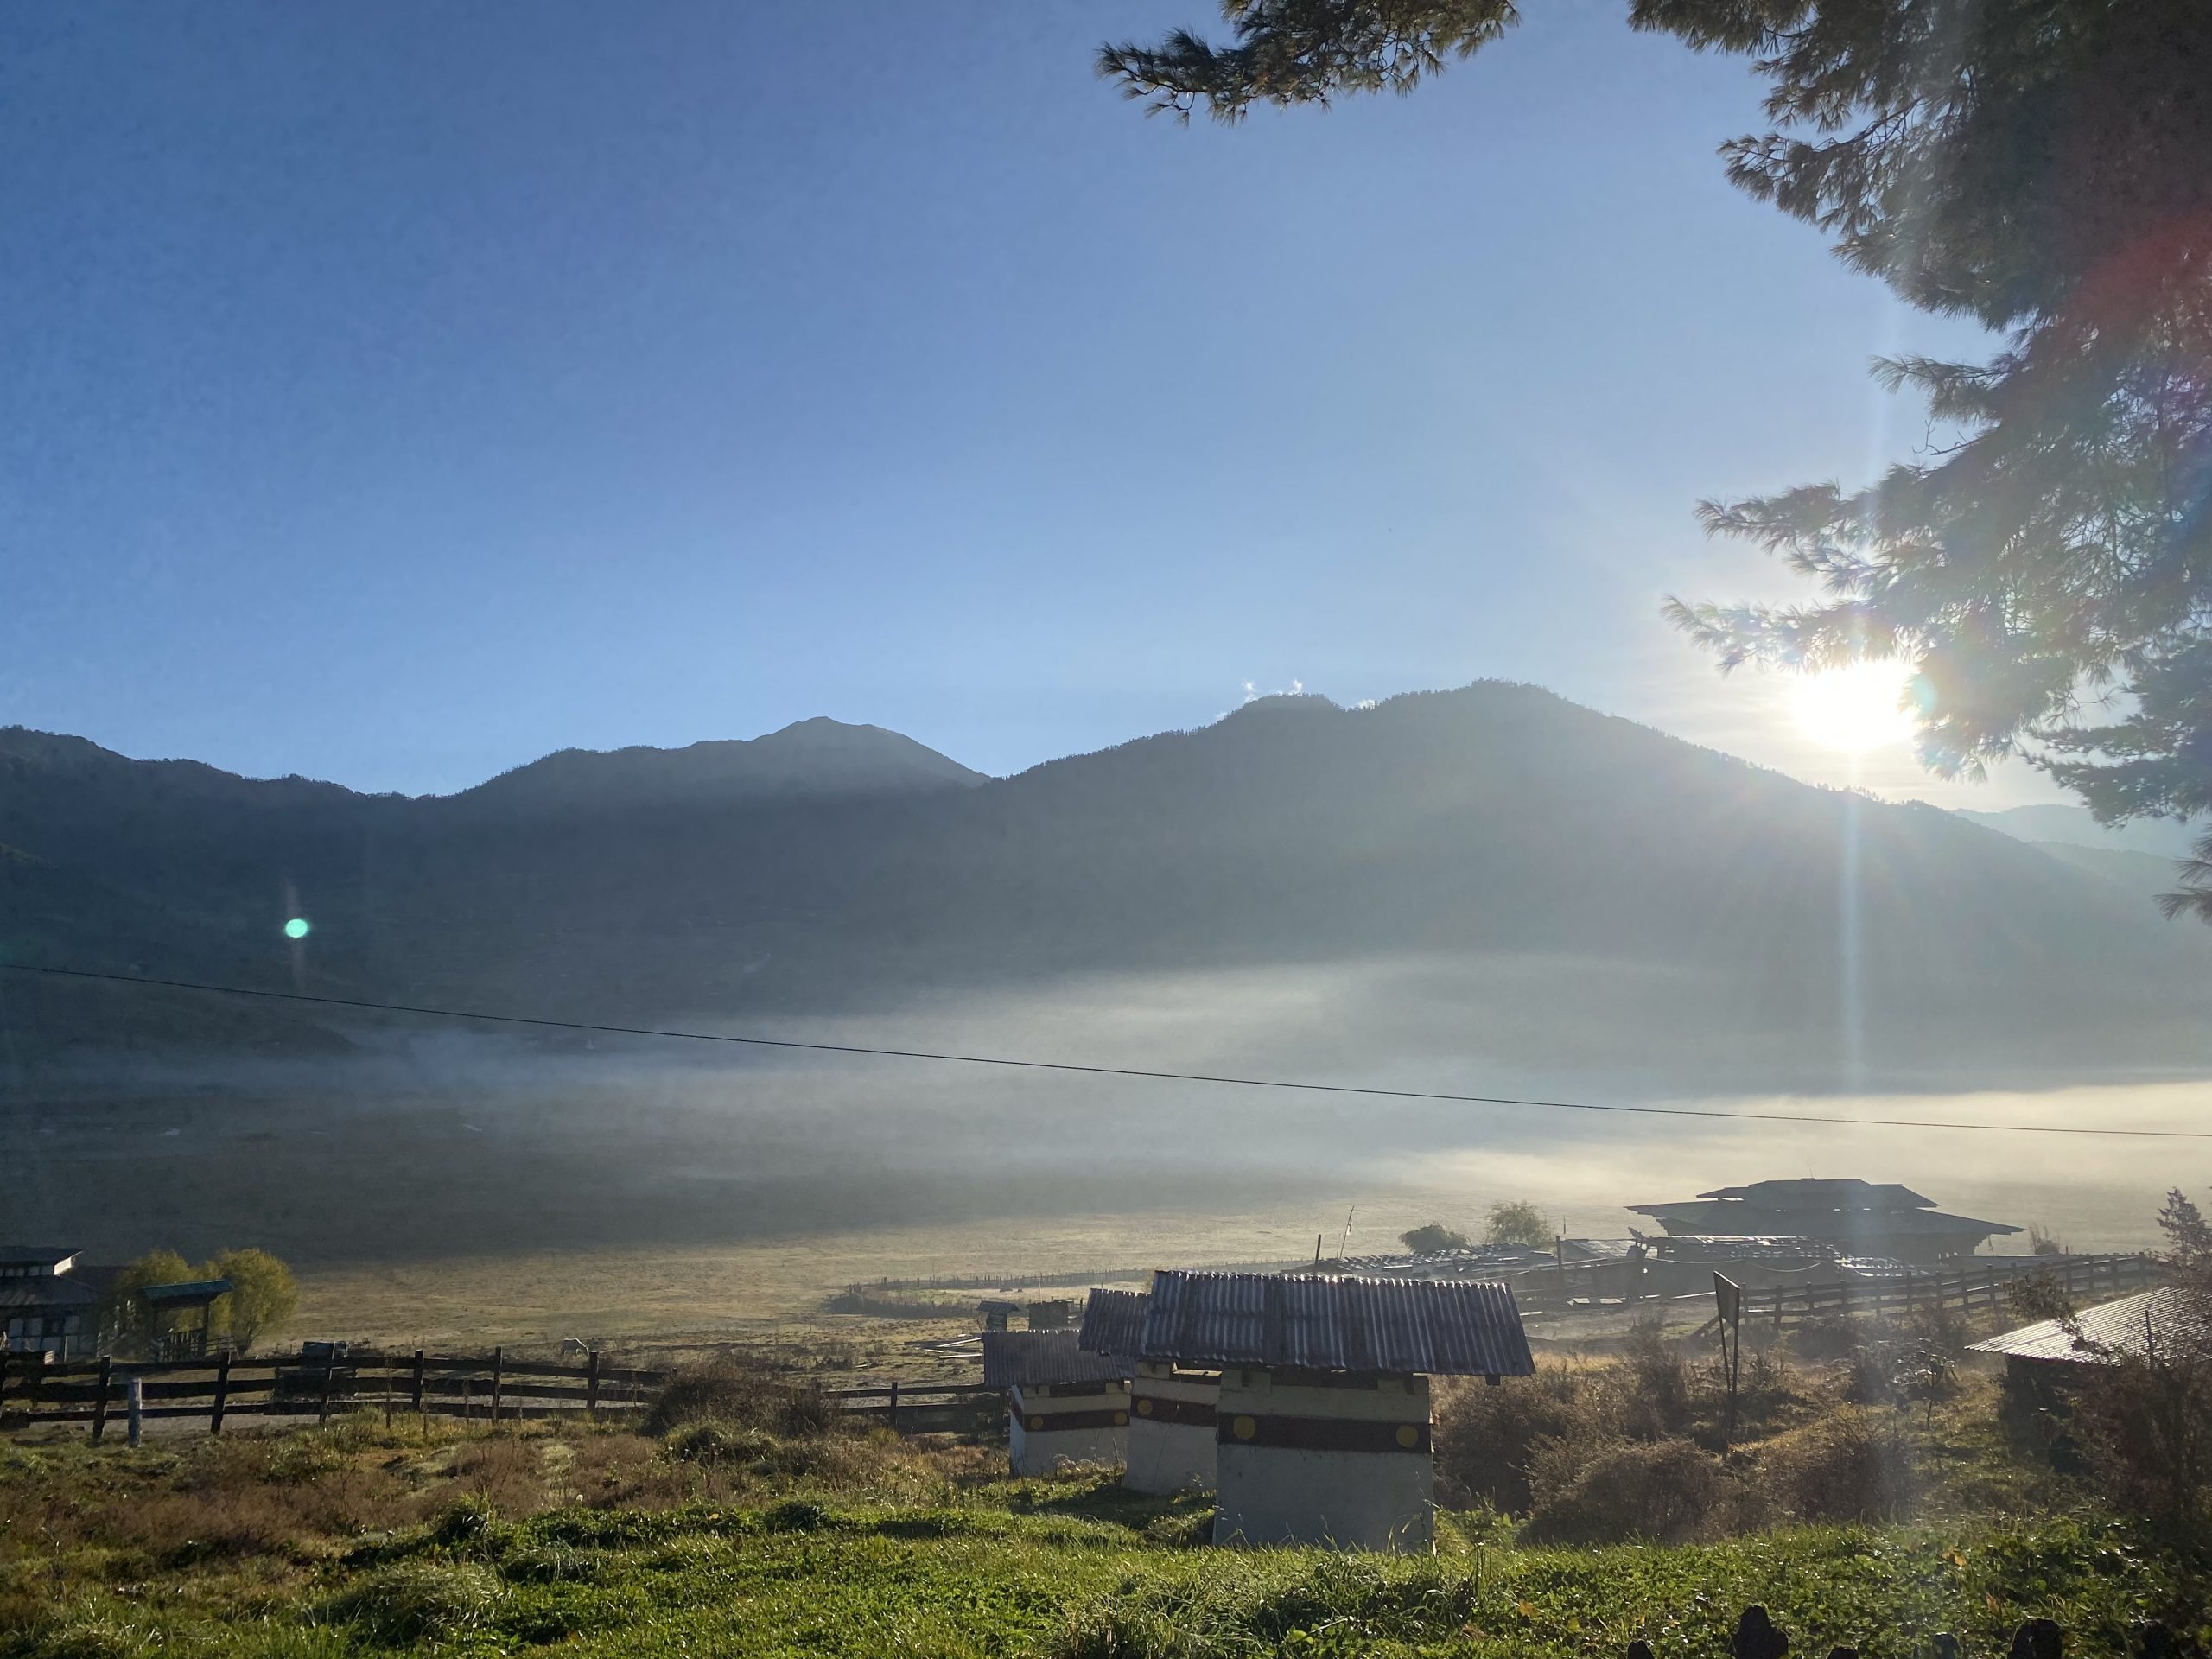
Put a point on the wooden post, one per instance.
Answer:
(135, 1399)
(388, 1368)
(4, 1377)
(330, 1377)
(894, 1405)
(222, 1393)
(99, 1400)
(418, 1381)
(591, 1386)
(499, 1361)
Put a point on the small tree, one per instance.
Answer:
(2144, 1415)
(263, 1294)
(1519, 1222)
(1432, 1238)
(125, 1317)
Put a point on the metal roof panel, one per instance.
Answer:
(1438, 1327)
(1013, 1358)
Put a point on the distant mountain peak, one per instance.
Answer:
(816, 757)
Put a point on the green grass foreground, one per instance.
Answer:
(353, 1541)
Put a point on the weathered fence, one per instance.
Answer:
(1982, 1285)
(494, 1387)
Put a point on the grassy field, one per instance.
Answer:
(737, 1541)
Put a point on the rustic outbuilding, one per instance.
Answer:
(1322, 1433)
(46, 1307)
(1173, 1409)
(1063, 1405)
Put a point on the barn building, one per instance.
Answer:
(1322, 1433)
(1867, 1218)
(1062, 1405)
(1172, 1409)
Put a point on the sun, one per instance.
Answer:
(1854, 708)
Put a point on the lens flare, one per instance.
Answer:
(1854, 708)
(296, 928)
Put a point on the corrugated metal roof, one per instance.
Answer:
(1443, 1328)
(1014, 1358)
(48, 1256)
(188, 1290)
(2128, 1325)
(1112, 1322)
(46, 1290)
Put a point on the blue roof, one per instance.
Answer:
(1442, 1328)
(1013, 1358)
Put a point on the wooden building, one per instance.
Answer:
(48, 1307)
(1063, 1405)
(1173, 1409)
(1322, 1430)
(1855, 1217)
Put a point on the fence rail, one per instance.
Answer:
(494, 1387)
(1981, 1286)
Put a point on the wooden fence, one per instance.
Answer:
(494, 1387)
(1982, 1285)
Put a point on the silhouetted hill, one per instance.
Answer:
(816, 757)
(1553, 882)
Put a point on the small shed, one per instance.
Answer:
(177, 1333)
(1172, 1409)
(1322, 1434)
(1063, 1405)
(998, 1314)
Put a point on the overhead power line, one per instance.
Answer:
(1011, 1063)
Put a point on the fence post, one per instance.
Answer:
(330, 1376)
(222, 1393)
(591, 1385)
(894, 1405)
(418, 1381)
(499, 1363)
(137, 1397)
(99, 1400)
(390, 1365)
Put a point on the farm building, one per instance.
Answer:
(1172, 1409)
(1323, 1429)
(1859, 1218)
(47, 1308)
(2044, 1356)
(1062, 1405)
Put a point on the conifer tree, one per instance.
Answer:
(2043, 166)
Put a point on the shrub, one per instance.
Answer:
(1519, 1223)
(1487, 1437)
(1666, 1491)
(744, 1396)
(416, 1601)
(1851, 1465)
(1432, 1238)
(715, 1443)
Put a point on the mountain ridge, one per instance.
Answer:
(1467, 831)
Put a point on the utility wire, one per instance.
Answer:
(1069, 1066)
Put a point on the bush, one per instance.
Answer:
(1433, 1239)
(416, 1601)
(1485, 1437)
(1851, 1465)
(730, 1392)
(1666, 1492)
(716, 1443)
(1519, 1223)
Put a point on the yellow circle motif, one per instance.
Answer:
(1144, 1408)
(1036, 1423)
(1120, 1419)
(1243, 1428)
(1409, 1436)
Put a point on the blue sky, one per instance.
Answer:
(397, 392)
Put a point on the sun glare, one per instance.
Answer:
(1854, 708)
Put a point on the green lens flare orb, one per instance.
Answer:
(296, 928)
